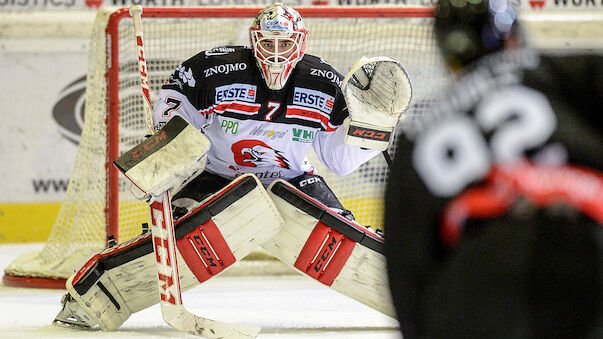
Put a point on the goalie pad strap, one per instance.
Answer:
(326, 216)
(110, 258)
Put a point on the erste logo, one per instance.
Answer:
(241, 92)
(314, 99)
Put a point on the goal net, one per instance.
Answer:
(98, 202)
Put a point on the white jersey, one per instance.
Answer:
(256, 130)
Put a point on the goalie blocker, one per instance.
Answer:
(167, 160)
(330, 248)
(122, 279)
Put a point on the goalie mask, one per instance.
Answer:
(278, 39)
(467, 30)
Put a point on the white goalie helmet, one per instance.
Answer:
(278, 38)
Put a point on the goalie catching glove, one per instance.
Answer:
(168, 159)
(377, 91)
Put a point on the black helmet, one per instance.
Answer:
(466, 30)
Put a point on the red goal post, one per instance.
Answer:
(98, 203)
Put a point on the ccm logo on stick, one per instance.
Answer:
(162, 255)
(367, 133)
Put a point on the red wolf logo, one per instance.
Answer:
(255, 153)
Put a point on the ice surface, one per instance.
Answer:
(284, 306)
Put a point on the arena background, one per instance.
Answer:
(43, 61)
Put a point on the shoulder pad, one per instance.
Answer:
(318, 69)
(225, 60)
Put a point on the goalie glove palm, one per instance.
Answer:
(377, 91)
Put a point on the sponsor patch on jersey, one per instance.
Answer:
(268, 132)
(239, 107)
(241, 92)
(309, 114)
(224, 69)
(302, 135)
(229, 126)
(314, 99)
(332, 76)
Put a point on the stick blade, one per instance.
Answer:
(227, 330)
(179, 318)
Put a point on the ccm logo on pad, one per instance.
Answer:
(210, 259)
(367, 133)
(308, 181)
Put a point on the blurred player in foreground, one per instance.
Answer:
(494, 205)
(259, 109)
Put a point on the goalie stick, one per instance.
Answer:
(164, 244)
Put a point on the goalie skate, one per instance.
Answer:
(72, 315)
(329, 248)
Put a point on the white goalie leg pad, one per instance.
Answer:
(225, 228)
(330, 249)
(245, 217)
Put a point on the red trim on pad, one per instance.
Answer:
(325, 253)
(205, 251)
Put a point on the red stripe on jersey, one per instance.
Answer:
(309, 114)
(238, 107)
(544, 185)
(541, 185)
(233, 106)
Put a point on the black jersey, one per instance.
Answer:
(257, 130)
(471, 236)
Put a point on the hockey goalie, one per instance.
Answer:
(224, 175)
